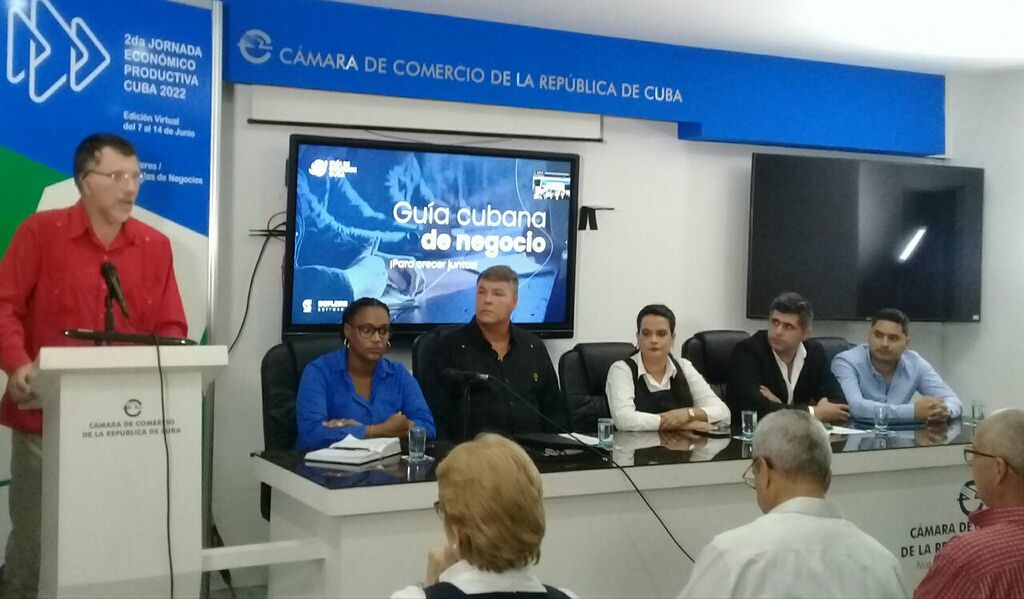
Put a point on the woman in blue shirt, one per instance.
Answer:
(355, 390)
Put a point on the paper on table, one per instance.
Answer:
(842, 430)
(585, 439)
(379, 445)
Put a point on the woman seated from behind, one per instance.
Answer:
(652, 391)
(491, 502)
(355, 390)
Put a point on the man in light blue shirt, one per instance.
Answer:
(884, 371)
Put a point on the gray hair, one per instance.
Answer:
(1004, 433)
(796, 444)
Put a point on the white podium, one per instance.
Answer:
(104, 493)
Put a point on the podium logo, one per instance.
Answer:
(133, 407)
(307, 306)
(49, 51)
(255, 46)
(969, 499)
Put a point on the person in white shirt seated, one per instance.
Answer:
(801, 546)
(491, 501)
(653, 391)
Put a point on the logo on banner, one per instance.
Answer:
(37, 55)
(255, 46)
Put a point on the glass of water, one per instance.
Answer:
(748, 421)
(417, 443)
(977, 413)
(605, 430)
(881, 413)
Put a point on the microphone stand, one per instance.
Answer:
(108, 316)
(464, 408)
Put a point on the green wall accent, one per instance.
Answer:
(23, 181)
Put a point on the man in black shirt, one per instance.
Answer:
(490, 344)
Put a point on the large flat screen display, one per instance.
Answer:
(414, 224)
(856, 236)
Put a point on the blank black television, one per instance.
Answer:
(414, 224)
(856, 236)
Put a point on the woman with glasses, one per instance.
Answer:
(355, 390)
(491, 504)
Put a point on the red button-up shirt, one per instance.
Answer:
(50, 281)
(987, 563)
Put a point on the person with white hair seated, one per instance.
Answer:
(988, 561)
(801, 546)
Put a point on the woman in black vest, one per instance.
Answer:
(491, 502)
(651, 390)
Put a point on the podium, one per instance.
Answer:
(105, 484)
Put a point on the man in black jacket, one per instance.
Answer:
(779, 368)
(490, 344)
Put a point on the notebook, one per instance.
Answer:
(352, 450)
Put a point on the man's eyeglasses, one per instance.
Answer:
(437, 509)
(749, 475)
(366, 331)
(121, 176)
(970, 452)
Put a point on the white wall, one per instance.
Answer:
(986, 122)
(678, 235)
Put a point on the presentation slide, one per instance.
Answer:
(414, 228)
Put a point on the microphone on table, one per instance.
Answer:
(470, 376)
(464, 376)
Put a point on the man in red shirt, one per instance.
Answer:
(988, 562)
(50, 281)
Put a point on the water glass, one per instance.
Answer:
(977, 412)
(881, 413)
(417, 443)
(605, 428)
(748, 420)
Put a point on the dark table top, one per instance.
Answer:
(553, 454)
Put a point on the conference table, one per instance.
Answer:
(366, 532)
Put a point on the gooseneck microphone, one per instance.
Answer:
(464, 376)
(109, 272)
(480, 376)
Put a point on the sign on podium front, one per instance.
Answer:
(122, 469)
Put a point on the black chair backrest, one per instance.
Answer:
(711, 353)
(280, 373)
(423, 346)
(833, 346)
(583, 371)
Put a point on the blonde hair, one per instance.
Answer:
(492, 501)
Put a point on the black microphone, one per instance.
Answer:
(109, 272)
(515, 394)
(464, 376)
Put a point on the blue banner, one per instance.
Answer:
(142, 70)
(714, 95)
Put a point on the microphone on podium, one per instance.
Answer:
(109, 272)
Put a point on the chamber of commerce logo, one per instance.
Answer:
(50, 51)
(307, 306)
(968, 498)
(133, 407)
(255, 46)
